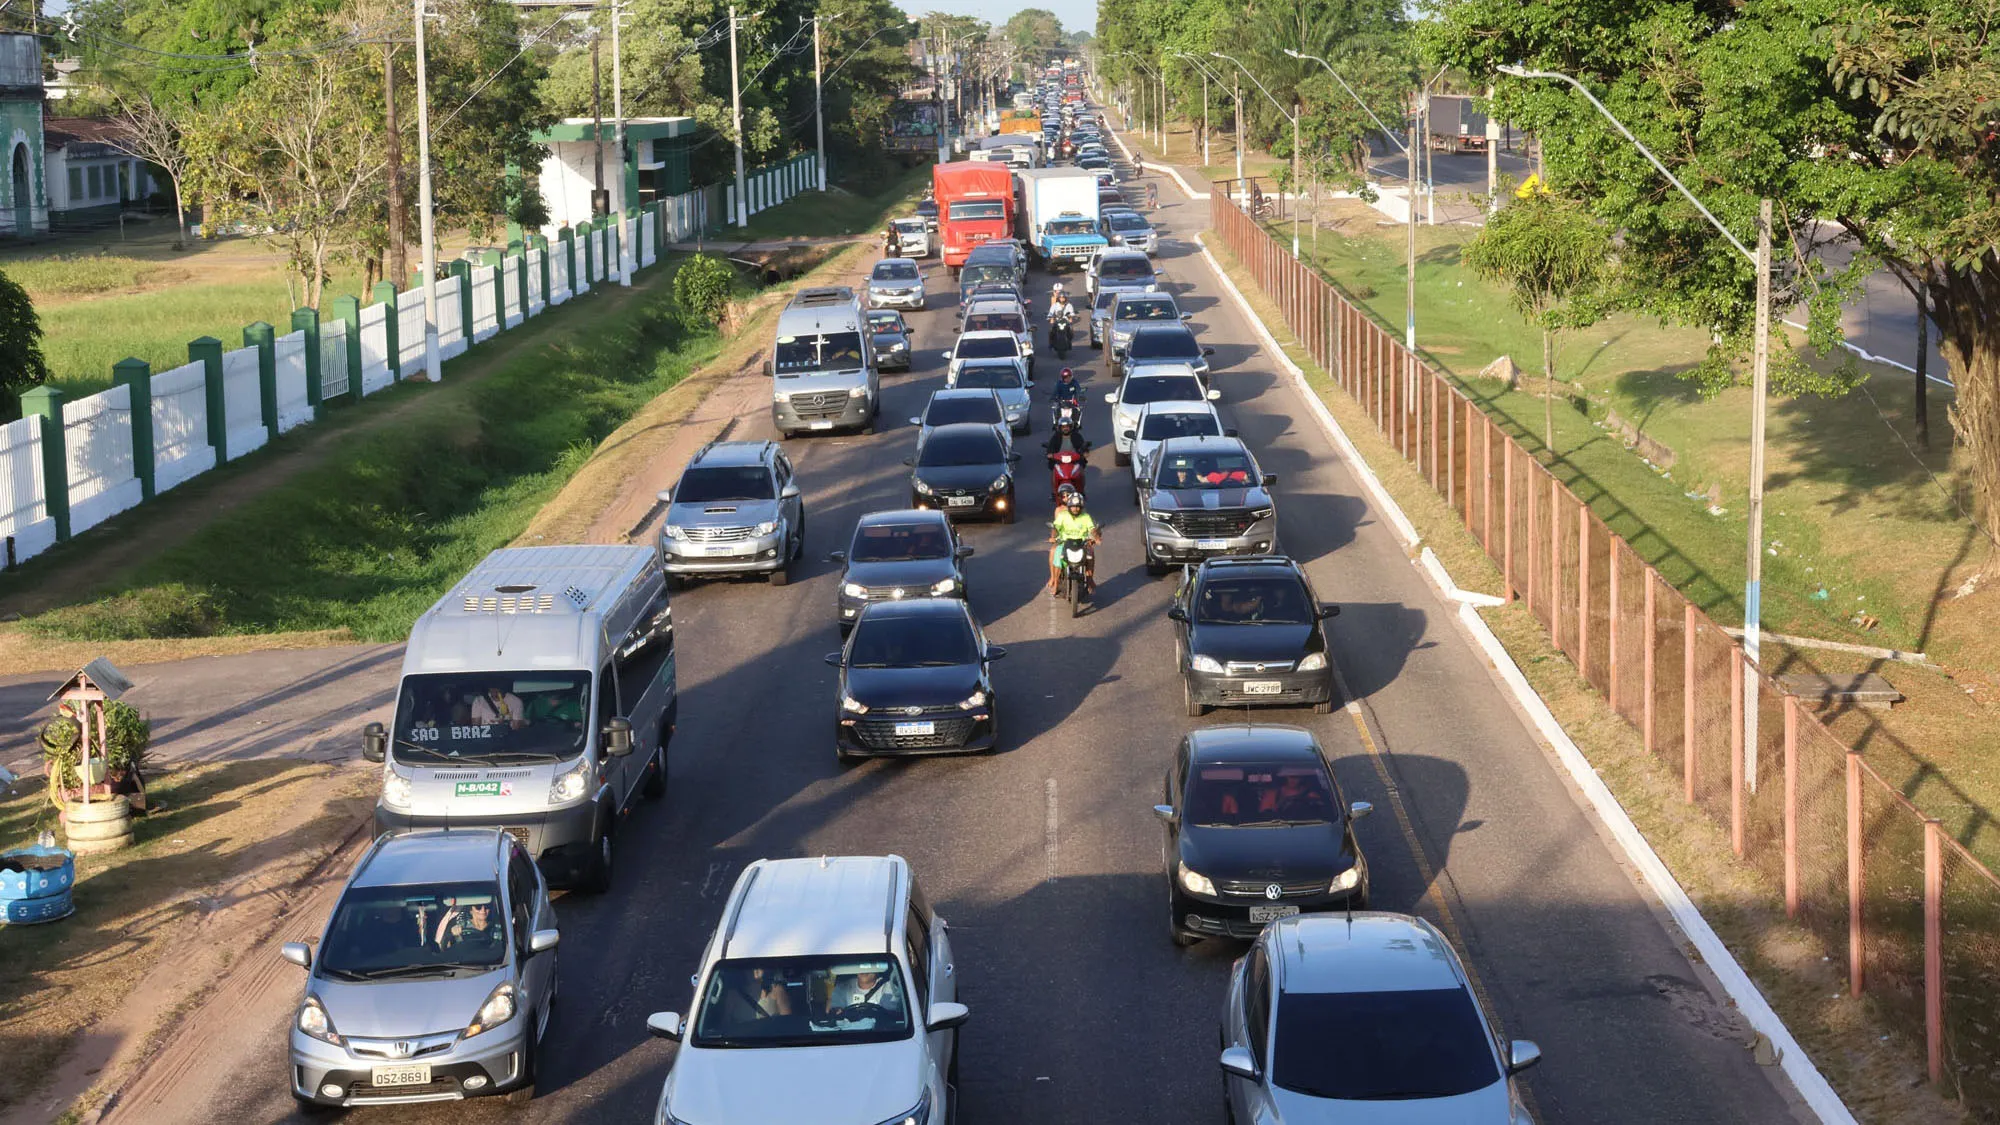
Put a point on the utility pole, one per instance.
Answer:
(1204, 119)
(944, 103)
(398, 266)
(431, 360)
(736, 123)
(625, 248)
(1753, 589)
(1923, 406)
(1237, 141)
(1492, 154)
(597, 127)
(819, 104)
(1410, 283)
(1298, 182)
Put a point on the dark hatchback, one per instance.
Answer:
(1257, 830)
(964, 469)
(1163, 343)
(1251, 632)
(915, 678)
(895, 556)
(889, 339)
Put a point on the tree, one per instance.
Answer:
(155, 133)
(1551, 254)
(22, 367)
(1033, 33)
(1867, 122)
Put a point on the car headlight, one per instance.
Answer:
(976, 699)
(854, 590)
(1159, 517)
(1263, 513)
(500, 1007)
(1347, 880)
(900, 346)
(395, 788)
(780, 396)
(918, 484)
(674, 532)
(570, 784)
(943, 587)
(999, 483)
(849, 703)
(1202, 663)
(312, 1020)
(857, 392)
(1194, 882)
(919, 1114)
(765, 528)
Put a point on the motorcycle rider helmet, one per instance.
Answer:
(1065, 374)
(1064, 492)
(1073, 501)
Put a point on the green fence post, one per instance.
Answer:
(46, 403)
(385, 293)
(519, 252)
(307, 321)
(659, 229)
(583, 231)
(137, 376)
(462, 270)
(348, 309)
(264, 338)
(541, 243)
(207, 351)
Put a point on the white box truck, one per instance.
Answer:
(1058, 215)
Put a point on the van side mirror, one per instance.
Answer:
(1185, 317)
(618, 736)
(945, 1015)
(1208, 351)
(1270, 479)
(1213, 396)
(1112, 398)
(1522, 1054)
(1239, 1062)
(664, 496)
(836, 556)
(832, 658)
(962, 551)
(1329, 610)
(1359, 809)
(1176, 613)
(374, 742)
(1230, 432)
(664, 1025)
(995, 652)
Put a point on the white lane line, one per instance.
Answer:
(1049, 830)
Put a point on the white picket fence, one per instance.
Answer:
(242, 404)
(24, 517)
(510, 292)
(410, 332)
(450, 319)
(559, 290)
(97, 439)
(767, 187)
(332, 359)
(537, 299)
(375, 348)
(649, 236)
(485, 309)
(295, 407)
(180, 425)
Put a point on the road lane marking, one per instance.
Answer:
(1049, 830)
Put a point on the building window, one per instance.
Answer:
(124, 180)
(96, 181)
(75, 185)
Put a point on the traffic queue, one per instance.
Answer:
(538, 702)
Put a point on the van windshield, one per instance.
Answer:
(491, 718)
(825, 351)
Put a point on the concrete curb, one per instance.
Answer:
(1812, 1086)
(1169, 169)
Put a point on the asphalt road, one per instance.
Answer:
(1045, 857)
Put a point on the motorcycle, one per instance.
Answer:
(1068, 410)
(1062, 334)
(1074, 556)
(1066, 469)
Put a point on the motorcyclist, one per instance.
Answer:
(889, 241)
(1067, 388)
(1072, 522)
(1067, 433)
(1062, 320)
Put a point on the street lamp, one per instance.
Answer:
(1760, 372)
(1294, 119)
(1236, 102)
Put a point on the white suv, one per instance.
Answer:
(826, 995)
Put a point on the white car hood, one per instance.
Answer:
(1488, 1106)
(853, 1084)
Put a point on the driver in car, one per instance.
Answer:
(867, 987)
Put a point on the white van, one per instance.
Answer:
(537, 697)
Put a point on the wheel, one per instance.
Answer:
(846, 760)
(1181, 938)
(1076, 595)
(1325, 708)
(597, 878)
(1007, 517)
(525, 1092)
(655, 785)
(1120, 458)
(309, 1108)
(799, 545)
(781, 575)
(1189, 704)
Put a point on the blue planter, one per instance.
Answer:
(35, 885)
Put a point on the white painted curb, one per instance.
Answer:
(1806, 1078)
(1186, 188)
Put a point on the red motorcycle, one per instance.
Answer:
(1065, 468)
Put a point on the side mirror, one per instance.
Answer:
(298, 953)
(374, 742)
(664, 1025)
(945, 1015)
(1164, 812)
(541, 941)
(790, 492)
(1230, 432)
(962, 551)
(836, 556)
(1185, 317)
(1208, 351)
(1214, 396)
(1359, 809)
(1129, 435)
(995, 652)
(1013, 458)
(767, 369)
(1111, 398)
(618, 736)
(832, 658)
(1522, 1054)
(1270, 479)
(1239, 1062)
(916, 421)
(1176, 613)
(664, 496)
(1031, 384)
(909, 460)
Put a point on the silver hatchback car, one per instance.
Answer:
(434, 978)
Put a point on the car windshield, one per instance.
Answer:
(987, 347)
(1127, 222)
(1382, 1046)
(930, 641)
(969, 408)
(965, 447)
(1105, 299)
(1071, 226)
(996, 376)
(827, 351)
(899, 542)
(1124, 269)
(1160, 427)
(1170, 344)
(1143, 389)
(491, 718)
(887, 322)
(1148, 310)
(896, 271)
(995, 322)
(1207, 470)
(976, 209)
(1253, 601)
(975, 273)
(909, 226)
(718, 483)
(802, 1002)
(414, 930)
(1259, 796)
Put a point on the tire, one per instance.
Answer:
(1181, 938)
(1076, 596)
(799, 548)
(846, 760)
(655, 785)
(1194, 708)
(1325, 708)
(781, 575)
(1122, 460)
(1007, 517)
(596, 879)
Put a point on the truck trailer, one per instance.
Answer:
(1455, 126)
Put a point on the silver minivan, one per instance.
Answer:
(433, 978)
(822, 368)
(537, 697)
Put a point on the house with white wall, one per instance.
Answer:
(88, 177)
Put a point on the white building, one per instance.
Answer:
(85, 173)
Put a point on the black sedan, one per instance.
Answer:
(1251, 632)
(896, 556)
(889, 339)
(915, 678)
(964, 469)
(927, 210)
(1257, 830)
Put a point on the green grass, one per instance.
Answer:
(367, 541)
(815, 214)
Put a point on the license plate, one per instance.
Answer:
(1262, 687)
(476, 789)
(959, 501)
(915, 728)
(821, 426)
(723, 549)
(412, 1074)
(1271, 913)
(1211, 544)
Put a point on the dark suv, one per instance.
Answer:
(1250, 631)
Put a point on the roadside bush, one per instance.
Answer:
(701, 290)
(171, 610)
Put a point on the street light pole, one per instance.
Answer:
(1294, 117)
(736, 123)
(1760, 374)
(819, 103)
(625, 263)
(426, 220)
(1204, 119)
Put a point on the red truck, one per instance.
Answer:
(975, 203)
